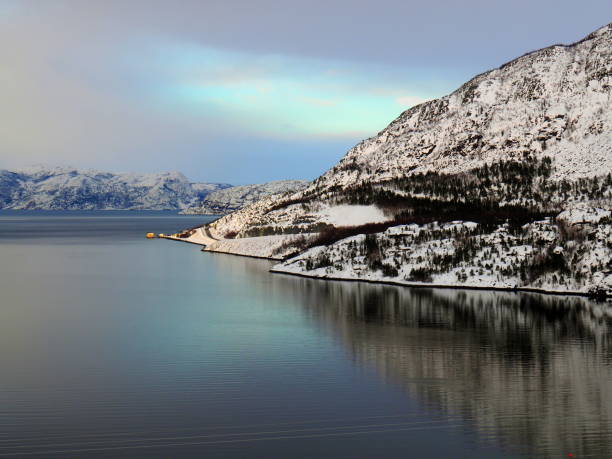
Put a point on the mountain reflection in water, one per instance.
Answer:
(115, 346)
(521, 369)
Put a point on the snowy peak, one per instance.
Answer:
(554, 101)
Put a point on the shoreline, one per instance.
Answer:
(406, 284)
(204, 249)
(199, 237)
(178, 239)
(241, 255)
(446, 286)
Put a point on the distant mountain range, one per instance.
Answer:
(62, 188)
(226, 200)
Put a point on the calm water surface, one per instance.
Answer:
(114, 346)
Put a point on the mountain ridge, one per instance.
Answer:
(226, 200)
(67, 188)
(474, 189)
(592, 52)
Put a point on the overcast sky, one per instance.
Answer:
(244, 91)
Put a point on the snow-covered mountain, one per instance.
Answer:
(477, 188)
(63, 188)
(228, 200)
(555, 102)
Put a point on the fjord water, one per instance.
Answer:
(115, 346)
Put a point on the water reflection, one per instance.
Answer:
(521, 369)
(109, 340)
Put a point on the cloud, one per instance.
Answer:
(265, 93)
(319, 102)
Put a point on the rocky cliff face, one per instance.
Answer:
(72, 189)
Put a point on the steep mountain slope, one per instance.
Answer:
(71, 189)
(555, 102)
(478, 188)
(228, 200)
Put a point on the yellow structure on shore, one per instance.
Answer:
(150, 235)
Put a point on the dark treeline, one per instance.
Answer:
(516, 192)
(512, 184)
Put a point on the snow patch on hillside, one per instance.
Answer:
(348, 215)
